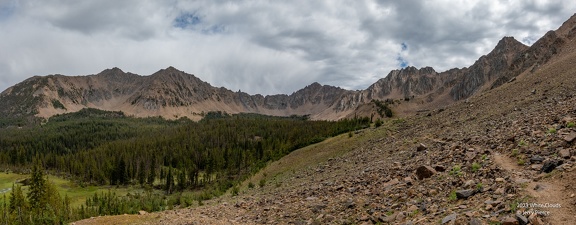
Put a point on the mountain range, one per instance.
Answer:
(172, 93)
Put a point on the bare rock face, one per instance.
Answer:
(404, 83)
(488, 68)
(462, 83)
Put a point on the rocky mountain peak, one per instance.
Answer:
(411, 70)
(172, 69)
(112, 72)
(507, 45)
(404, 83)
(168, 71)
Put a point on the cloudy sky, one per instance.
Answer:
(263, 47)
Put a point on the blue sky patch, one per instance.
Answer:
(214, 29)
(402, 62)
(7, 9)
(185, 20)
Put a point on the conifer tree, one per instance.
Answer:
(17, 200)
(182, 180)
(169, 181)
(37, 193)
(142, 173)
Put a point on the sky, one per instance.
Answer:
(266, 47)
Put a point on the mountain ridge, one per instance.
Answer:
(172, 93)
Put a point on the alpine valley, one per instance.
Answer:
(492, 143)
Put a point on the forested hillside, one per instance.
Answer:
(96, 147)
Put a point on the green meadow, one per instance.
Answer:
(75, 193)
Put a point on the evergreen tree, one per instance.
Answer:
(151, 176)
(169, 181)
(37, 192)
(121, 172)
(142, 173)
(17, 200)
(182, 180)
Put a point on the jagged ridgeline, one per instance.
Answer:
(101, 147)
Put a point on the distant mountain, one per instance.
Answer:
(171, 93)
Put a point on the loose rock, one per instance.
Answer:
(570, 137)
(521, 219)
(451, 217)
(509, 221)
(425, 172)
(564, 153)
(549, 166)
(475, 221)
(464, 194)
(421, 147)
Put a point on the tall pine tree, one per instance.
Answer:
(37, 192)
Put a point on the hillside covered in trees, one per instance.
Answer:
(94, 147)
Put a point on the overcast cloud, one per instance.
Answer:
(266, 47)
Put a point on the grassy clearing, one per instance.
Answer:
(65, 187)
(6, 179)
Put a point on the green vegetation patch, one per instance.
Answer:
(383, 108)
(57, 104)
(98, 150)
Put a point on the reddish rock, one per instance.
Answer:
(570, 137)
(510, 221)
(564, 153)
(423, 172)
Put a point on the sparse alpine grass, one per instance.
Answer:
(452, 196)
(522, 143)
(262, 183)
(476, 166)
(521, 161)
(514, 152)
(456, 170)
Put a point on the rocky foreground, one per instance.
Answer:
(505, 156)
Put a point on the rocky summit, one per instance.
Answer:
(505, 155)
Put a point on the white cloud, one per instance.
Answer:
(261, 46)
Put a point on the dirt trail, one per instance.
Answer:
(544, 191)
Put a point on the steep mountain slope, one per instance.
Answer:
(481, 161)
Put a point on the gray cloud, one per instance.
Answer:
(262, 46)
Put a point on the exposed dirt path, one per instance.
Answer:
(546, 192)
